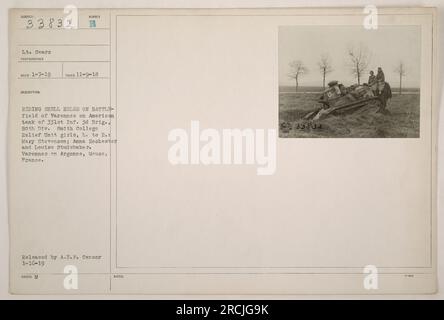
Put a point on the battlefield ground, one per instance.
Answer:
(401, 120)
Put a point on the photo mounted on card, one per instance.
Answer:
(223, 151)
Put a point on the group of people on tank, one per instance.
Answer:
(377, 82)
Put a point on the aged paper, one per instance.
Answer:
(222, 151)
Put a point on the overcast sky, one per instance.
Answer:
(388, 45)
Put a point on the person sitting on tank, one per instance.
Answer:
(372, 81)
(380, 81)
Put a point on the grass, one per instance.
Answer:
(401, 120)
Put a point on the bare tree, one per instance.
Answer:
(297, 69)
(359, 60)
(400, 70)
(325, 67)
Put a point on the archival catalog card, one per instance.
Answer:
(222, 151)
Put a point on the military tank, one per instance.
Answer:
(338, 99)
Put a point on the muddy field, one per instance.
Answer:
(401, 120)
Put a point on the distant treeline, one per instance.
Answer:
(303, 89)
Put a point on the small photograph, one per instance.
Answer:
(349, 82)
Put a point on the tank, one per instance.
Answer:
(338, 99)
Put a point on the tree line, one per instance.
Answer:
(359, 58)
